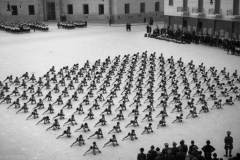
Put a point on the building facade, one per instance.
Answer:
(117, 11)
(213, 17)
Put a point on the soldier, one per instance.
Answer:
(84, 127)
(79, 140)
(46, 120)
(98, 133)
(148, 129)
(178, 118)
(34, 114)
(94, 147)
(116, 128)
(131, 134)
(67, 132)
(55, 125)
(112, 140)
(134, 122)
(72, 120)
(228, 144)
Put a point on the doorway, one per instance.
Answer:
(51, 12)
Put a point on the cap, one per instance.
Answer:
(174, 143)
(166, 144)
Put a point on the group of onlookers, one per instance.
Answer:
(183, 152)
(179, 36)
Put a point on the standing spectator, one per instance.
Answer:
(194, 154)
(228, 144)
(200, 156)
(184, 147)
(144, 20)
(174, 150)
(147, 27)
(208, 149)
(237, 157)
(34, 27)
(58, 25)
(129, 26)
(215, 156)
(191, 147)
(109, 21)
(165, 150)
(159, 154)
(151, 153)
(180, 154)
(141, 156)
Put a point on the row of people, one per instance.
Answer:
(180, 36)
(183, 152)
(72, 25)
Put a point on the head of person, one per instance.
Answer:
(166, 145)
(228, 133)
(152, 147)
(182, 142)
(192, 142)
(208, 142)
(174, 144)
(141, 150)
(215, 155)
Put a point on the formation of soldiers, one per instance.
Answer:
(72, 25)
(122, 90)
(22, 27)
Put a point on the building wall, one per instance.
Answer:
(135, 15)
(113, 9)
(93, 10)
(23, 12)
(172, 10)
(212, 23)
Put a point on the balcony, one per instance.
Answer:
(232, 15)
(182, 11)
(197, 12)
(213, 14)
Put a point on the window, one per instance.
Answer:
(157, 4)
(142, 7)
(170, 2)
(101, 8)
(85, 9)
(185, 5)
(217, 6)
(70, 9)
(235, 7)
(14, 10)
(200, 6)
(31, 10)
(127, 8)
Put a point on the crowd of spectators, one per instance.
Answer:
(231, 45)
(183, 152)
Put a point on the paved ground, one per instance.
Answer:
(37, 52)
